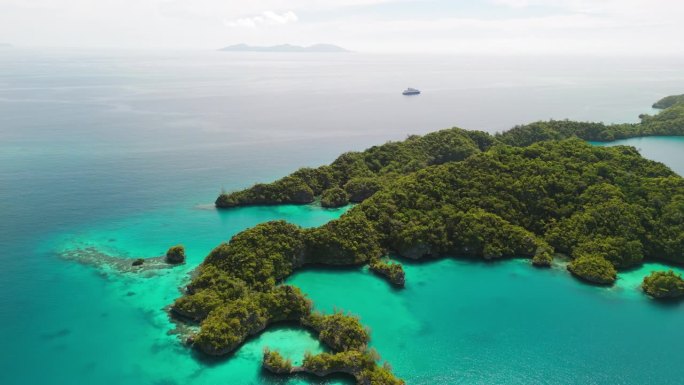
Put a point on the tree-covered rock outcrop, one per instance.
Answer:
(362, 365)
(176, 254)
(543, 257)
(593, 268)
(393, 271)
(663, 284)
(339, 331)
(334, 197)
(274, 362)
(359, 364)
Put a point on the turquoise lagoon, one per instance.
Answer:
(125, 157)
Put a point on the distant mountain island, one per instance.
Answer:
(5, 45)
(284, 48)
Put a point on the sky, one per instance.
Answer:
(382, 26)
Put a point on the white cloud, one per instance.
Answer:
(245, 9)
(266, 18)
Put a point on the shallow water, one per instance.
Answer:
(101, 326)
(125, 152)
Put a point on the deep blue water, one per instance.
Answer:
(125, 152)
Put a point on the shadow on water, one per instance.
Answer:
(166, 381)
(328, 269)
(321, 268)
(54, 335)
(283, 379)
(437, 258)
(666, 265)
(666, 303)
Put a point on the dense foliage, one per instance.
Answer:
(276, 362)
(362, 173)
(669, 229)
(350, 241)
(669, 101)
(360, 364)
(394, 271)
(334, 197)
(664, 284)
(290, 189)
(360, 189)
(339, 331)
(176, 254)
(543, 257)
(342, 362)
(511, 202)
(378, 376)
(594, 269)
(260, 256)
(228, 325)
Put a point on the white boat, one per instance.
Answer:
(411, 91)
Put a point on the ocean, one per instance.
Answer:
(123, 152)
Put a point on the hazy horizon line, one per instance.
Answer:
(349, 50)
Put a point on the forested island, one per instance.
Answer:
(536, 191)
(664, 284)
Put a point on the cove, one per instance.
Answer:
(465, 322)
(664, 149)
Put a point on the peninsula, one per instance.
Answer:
(536, 191)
